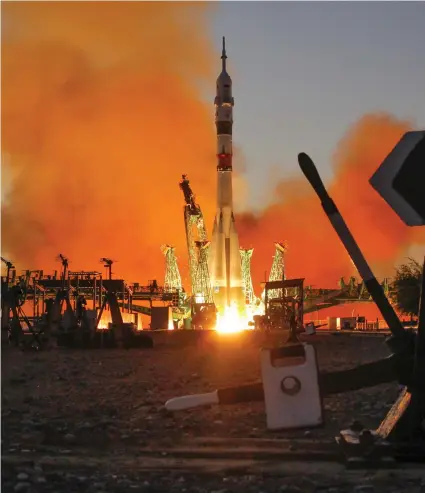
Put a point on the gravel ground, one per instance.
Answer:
(75, 420)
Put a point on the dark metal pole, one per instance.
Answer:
(375, 289)
(419, 368)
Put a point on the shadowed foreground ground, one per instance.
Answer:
(93, 411)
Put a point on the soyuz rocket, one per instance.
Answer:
(224, 257)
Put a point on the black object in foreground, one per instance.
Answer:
(400, 180)
(375, 289)
(338, 382)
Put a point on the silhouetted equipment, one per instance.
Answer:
(400, 180)
(204, 316)
(65, 262)
(277, 271)
(119, 333)
(161, 318)
(284, 307)
(17, 328)
(9, 266)
(107, 262)
(68, 310)
(6, 302)
(87, 333)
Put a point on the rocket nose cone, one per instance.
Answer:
(224, 78)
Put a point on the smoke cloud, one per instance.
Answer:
(296, 216)
(101, 114)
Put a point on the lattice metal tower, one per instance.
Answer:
(350, 287)
(173, 281)
(246, 255)
(277, 272)
(202, 285)
(195, 230)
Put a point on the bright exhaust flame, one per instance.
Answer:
(231, 321)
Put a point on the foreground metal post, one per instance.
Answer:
(419, 366)
(403, 426)
(375, 289)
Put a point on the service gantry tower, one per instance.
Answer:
(277, 272)
(173, 281)
(246, 256)
(202, 276)
(195, 231)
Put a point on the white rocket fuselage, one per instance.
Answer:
(224, 257)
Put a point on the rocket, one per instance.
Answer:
(224, 257)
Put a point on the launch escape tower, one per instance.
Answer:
(173, 281)
(203, 293)
(277, 272)
(195, 231)
(246, 256)
(224, 257)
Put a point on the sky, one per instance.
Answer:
(304, 72)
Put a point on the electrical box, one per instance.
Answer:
(291, 387)
(346, 323)
(161, 318)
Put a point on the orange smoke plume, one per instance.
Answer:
(101, 114)
(315, 251)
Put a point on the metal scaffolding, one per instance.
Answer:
(277, 272)
(173, 281)
(202, 284)
(195, 231)
(358, 288)
(246, 255)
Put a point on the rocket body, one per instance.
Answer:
(224, 257)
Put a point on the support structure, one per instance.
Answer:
(246, 256)
(203, 292)
(195, 231)
(173, 281)
(277, 272)
(65, 263)
(107, 262)
(355, 288)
